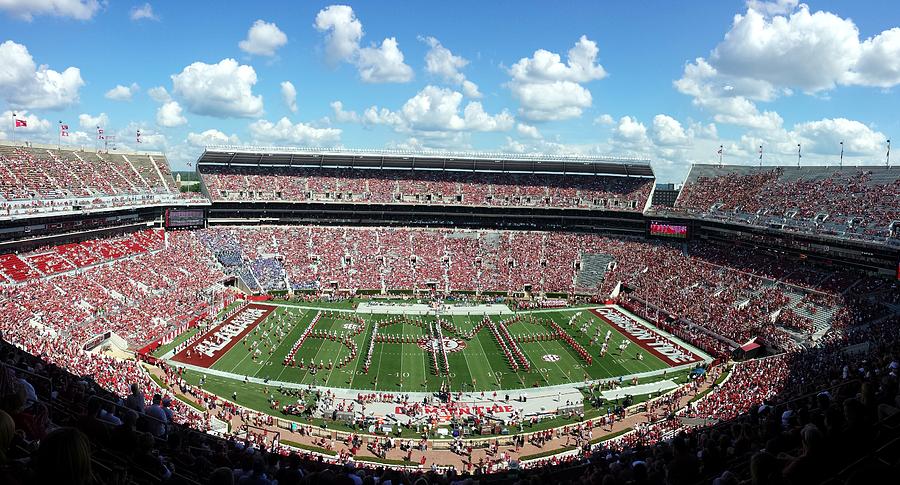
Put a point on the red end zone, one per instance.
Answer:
(206, 350)
(657, 344)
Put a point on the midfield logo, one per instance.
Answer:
(450, 345)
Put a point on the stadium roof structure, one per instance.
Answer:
(425, 160)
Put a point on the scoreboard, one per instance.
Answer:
(185, 218)
(669, 230)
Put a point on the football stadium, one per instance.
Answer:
(290, 313)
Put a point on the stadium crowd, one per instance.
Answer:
(855, 201)
(42, 180)
(797, 406)
(426, 187)
(765, 296)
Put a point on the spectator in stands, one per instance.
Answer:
(808, 466)
(7, 433)
(158, 417)
(144, 457)
(64, 456)
(135, 400)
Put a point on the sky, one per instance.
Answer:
(671, 82)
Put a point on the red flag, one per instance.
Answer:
(20, 123)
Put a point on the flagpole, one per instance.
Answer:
(798, 155)
(59, 136)
(842, 154)
(14, 129)
(887, 161)
(760, 155)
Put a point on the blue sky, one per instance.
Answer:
(669, 81)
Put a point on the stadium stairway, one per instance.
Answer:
(593, 270)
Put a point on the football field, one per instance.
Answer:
(417, 353)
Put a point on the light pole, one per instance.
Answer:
(842, 153)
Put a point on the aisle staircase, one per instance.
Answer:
(593, 270)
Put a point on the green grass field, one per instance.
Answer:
(405, 367)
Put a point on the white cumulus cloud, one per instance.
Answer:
(159, 94)
(528, 131)
(28, 9)
(169, 115)
(343, 116)
(343, 32)
(284, 131)
(23, 84)
(630, 129)
(212, 137)
(441, 62)
(667, 131)
(122, 93)
(436, 109)
(382, 63)
(143, 12)
(289, 95)
(222, 90)
(824, 137)
(777, 48)
(263, 39)
(436, 116)
(548, 89)
(90, 122)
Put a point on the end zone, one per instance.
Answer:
(207, 349)
(650, 339)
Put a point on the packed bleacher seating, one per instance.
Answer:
(856, 202)
(39, 180)
(68, 257)
(765, 296)
(144, 284)
(426, 187)
(138, 286)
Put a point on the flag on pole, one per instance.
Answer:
(99, 133)
(21, 123)
(760, 152)
(139, 136)
(63, 129)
